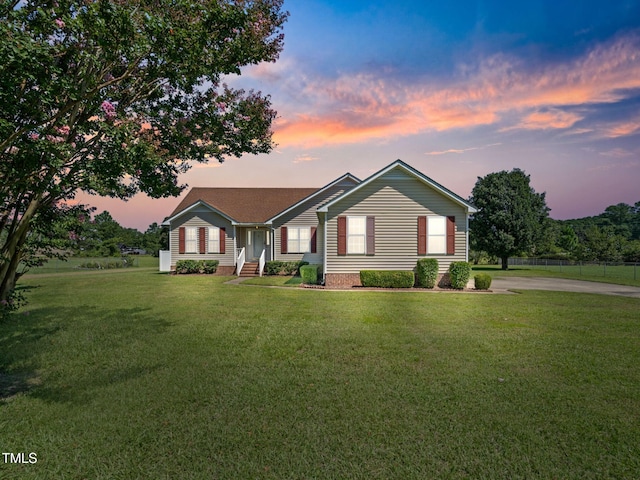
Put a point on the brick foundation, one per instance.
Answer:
(342, 280)
(225, 271)
(348, 280)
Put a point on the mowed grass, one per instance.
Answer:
(618, 274)
(134, 374)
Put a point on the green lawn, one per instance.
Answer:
(620, 274)
(134, 374)
(78, 264)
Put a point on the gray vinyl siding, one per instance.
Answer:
(396, 199)
(306, 215)
(202, 218)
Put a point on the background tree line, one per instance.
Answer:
(513, 220)
(103, 236)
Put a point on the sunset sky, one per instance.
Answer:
(455, 89)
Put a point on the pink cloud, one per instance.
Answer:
(550, 119)
(304, 158)
(363, 107)
(623, 129)
(461, 150)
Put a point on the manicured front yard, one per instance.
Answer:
(134, 374)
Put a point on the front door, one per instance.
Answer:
(258, 243)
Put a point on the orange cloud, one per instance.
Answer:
(623, 129)
(356, 108)
(553, 118)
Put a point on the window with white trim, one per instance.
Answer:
(437, 235)
(213, 245)
(356, 235)
(298, 239)
(191, 240)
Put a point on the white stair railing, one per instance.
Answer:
(240, 262)
(262, 261)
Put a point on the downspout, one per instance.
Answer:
(324, 250)
(235, 247)
(466, 253)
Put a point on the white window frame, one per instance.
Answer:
(351, 250)
(436, 235)
(191, 240)
(295, 242)
(213, 242)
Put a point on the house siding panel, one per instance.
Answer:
(306, 216)
(202, 218)
(396, 199)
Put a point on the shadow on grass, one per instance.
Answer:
(62, 354)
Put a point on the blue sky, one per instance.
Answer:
(457, 90)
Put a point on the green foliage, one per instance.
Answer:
(105, 97)
(387, 278)
(511, 216)
(426, 272)
(459, 273)
(277, 267)
(482, 281)
(8, 306)
(311, 274)
(196, 266)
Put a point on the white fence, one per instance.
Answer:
(165, 261)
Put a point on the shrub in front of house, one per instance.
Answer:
(459, 273)
(426, 272)
(482, 281)
(277, 267)
(209, 266)
(387, 278)
(196, 266)
(311, 274)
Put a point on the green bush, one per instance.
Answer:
(187, 266)
(107, 263)
(427, 272)
(459, 273)
(311, 274)
(196, 266)
(482, 281)
(387, 278)
(209, 266)
(277, 267)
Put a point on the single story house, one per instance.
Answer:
(385, 222)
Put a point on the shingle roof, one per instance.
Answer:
(245, 205)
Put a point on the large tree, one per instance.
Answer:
(117, 97)
(511, 216)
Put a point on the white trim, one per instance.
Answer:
(324, 252)
(317, 192)
(299, 229)
(410, 170)
(466, 245)
(363, 218)
(215, 238)
(235, 247)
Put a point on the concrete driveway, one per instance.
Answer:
(562, 285)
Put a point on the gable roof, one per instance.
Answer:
(243, 205)
(346, 176)
(412, 171)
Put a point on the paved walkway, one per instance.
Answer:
(562, 285)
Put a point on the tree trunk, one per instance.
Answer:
(13, 251)
(505, 263)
